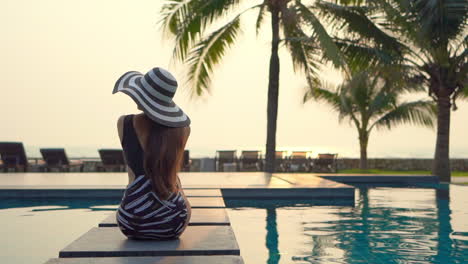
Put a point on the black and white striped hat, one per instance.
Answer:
(153, 92)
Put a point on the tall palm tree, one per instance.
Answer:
(431, 35)
(291, 21)
(371, 98)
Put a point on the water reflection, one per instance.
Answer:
(272, 237)
(388, 225)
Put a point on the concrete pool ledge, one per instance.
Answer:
(239, 191)
(227, 185)
(258, 185)
(87, 192)
(375, 179)
(194, 241)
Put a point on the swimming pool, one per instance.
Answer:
(387, 225)
(426, 224)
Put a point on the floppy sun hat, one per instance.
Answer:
(153, 93)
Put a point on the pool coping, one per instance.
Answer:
(279, 186)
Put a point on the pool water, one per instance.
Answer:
(387, 225)
(35, 230)
(426, 224)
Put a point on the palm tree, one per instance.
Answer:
(371, 98)
(291, 21)
(430, 35)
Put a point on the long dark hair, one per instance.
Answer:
(163, 157)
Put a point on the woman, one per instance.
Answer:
(154, 205)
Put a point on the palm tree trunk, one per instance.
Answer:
(363, 139)
(273, 90)
(441, 166)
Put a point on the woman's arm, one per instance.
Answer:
(120, 121)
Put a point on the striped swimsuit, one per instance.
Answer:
(142, 214)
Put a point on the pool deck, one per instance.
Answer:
(209, 237)
(231, 185)
(460, 180)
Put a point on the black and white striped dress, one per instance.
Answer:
(142, 214)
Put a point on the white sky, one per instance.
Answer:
(60, 59)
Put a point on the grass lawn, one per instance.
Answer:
(374, 171)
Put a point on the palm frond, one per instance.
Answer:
(171, 14)
(359, 56)
(304, 52)
(464, 91)
(358, 90)
(187, 20)
(441, 21)
(383, 101)
(420, 112)
(462, 79)
(208, 52)
(260, 17)
(356, 21)
(322, 91)
(399, 20)
(320, 35)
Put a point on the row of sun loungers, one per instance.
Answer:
(13, 157)
(250, 160)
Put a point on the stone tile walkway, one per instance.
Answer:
(194, 241)
(151, 260)
(208, 239)
(199, 217)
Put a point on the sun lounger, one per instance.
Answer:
(250, 160)
(298, 161)
(280, 161)
(226, 160)
(13, 156)
(56, 158)
(112, 159)
(325, 162)
(186, 163)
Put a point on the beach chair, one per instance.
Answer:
(56, 158)
(186, 163)
(325, 162)
(112, 159)
(299, 162)
(280, 161)
(226, 160)
(250, 160)
(13, 156)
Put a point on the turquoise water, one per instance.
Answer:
(35, 230)
(387, 225)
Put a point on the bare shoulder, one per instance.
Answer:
(120, 120)
(187, 131)
(139, 119)
(120, 126)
